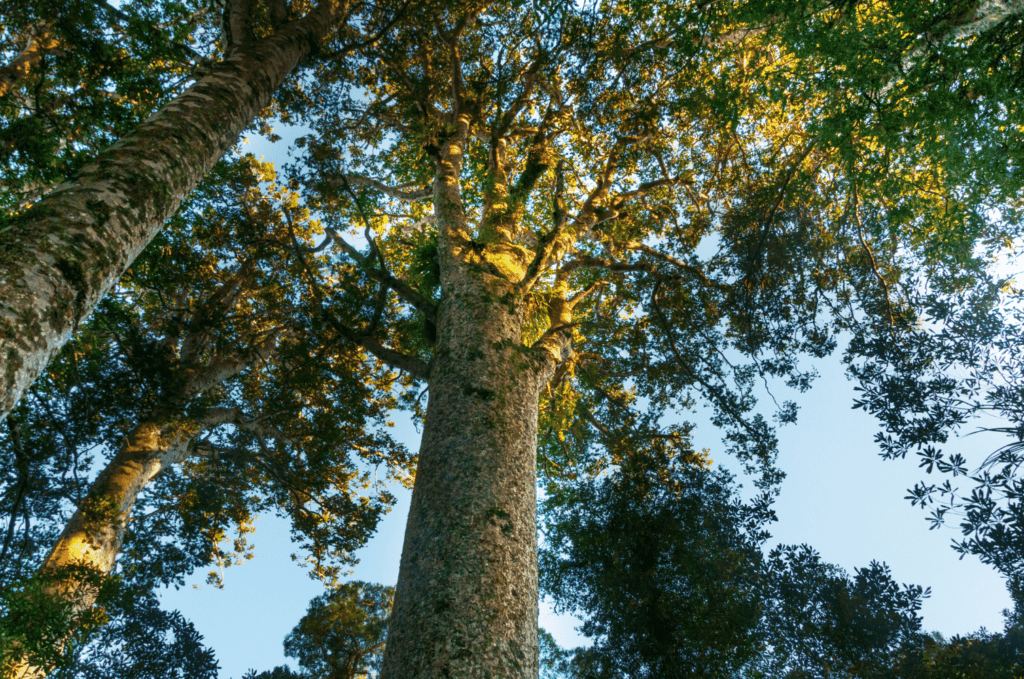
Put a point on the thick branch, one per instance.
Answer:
(396, 359)
(223, 368)
(411, 365)
(396, 192)
(238, 20)
(556, 342)
(561, 239)
(278, 10)
(510, 201)
(588, 262)
(550, 242)
(646, 187)
(235, 416)
(204, 321)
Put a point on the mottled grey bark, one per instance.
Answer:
(466, 601)
(63, 254)
(466, 604)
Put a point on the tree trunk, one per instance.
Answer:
(466, 601)
(65, 252)
(93, 535)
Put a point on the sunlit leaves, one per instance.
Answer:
(78, 76)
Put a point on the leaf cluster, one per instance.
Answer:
(77, 76)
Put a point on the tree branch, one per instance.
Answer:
(201, 324)
(874, 264)
(694, 271)
(223, 368)
(185, 52)
(546, 249)
(401, 361)
(555, 343)
(382, 275)
(23, 479)
(396, 192)
(561, 239)
(647, 186)
(278, 10)
(588, 262)
(238, 29)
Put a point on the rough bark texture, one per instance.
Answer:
(466, 604)
(466, 601)
(63, 254)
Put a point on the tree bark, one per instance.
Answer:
(93, 535)
(65, 252)
(466, 600)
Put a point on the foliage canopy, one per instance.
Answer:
(646, 206)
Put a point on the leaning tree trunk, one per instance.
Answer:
(92, 538)
(90, 542)
(64, 253)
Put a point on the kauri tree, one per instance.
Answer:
(573, 219)
(101, 206)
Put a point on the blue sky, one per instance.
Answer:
(839, 496)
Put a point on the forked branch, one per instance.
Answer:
(396, 359)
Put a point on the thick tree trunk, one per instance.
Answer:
(93, 535)
(64, 253)
(466, 602)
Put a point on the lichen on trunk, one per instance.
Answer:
(63, 254)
